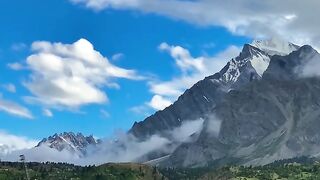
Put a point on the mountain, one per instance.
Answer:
(270, 119)
(69, 141)
(254, 111)
(201, 98)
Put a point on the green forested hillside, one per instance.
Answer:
(57, 171)
(300, 168)
(297, 168)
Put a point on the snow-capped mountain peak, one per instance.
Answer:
(274, 118)
(275, 46)
(258, 55)
(76, 143)
(251, 63)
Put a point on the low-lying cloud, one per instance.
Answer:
(213, 125)
(10, 143)
(122, 147)
(310, 66)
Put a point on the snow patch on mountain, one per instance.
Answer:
(275, 46)
(74, 143)
(258, 53)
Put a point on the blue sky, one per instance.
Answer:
(131, 37)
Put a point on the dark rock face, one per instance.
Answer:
(274, 118)
(289, 67)
(202, 98)
(75, 143)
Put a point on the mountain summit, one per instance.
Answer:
(69, 141)
(201, 99)
(275, 46)
(270, 119)
(204, 95)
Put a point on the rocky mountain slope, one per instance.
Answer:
(69, 141)
(200, 99)
(274, 118)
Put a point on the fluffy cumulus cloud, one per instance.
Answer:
(294, 20)
(159, 102)
(15, 109)
(71, 75)
(183, 58)
(10, 143)
(192, 70)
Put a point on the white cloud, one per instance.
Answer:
(209, 45)
(213, 125)
(41, 154)
(294, 20)
(310, 66)
(14, 109)
(18, 46)
(143, 109)
(117, 56)
(183, 59)
(16, 66)
(100, 4)
(186, 130)
(9, 142)
(159, 103)
(71, 75)
(104, 114)
(192, 70)
(47, 112)
(124, 147)
(10, 87)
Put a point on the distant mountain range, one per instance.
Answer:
(261, 107)
(69, 141)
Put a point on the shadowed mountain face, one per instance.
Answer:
(274, 118)
(203, 97)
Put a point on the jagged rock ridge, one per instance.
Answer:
(274, 118)
(200, 99)
(69, 141)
